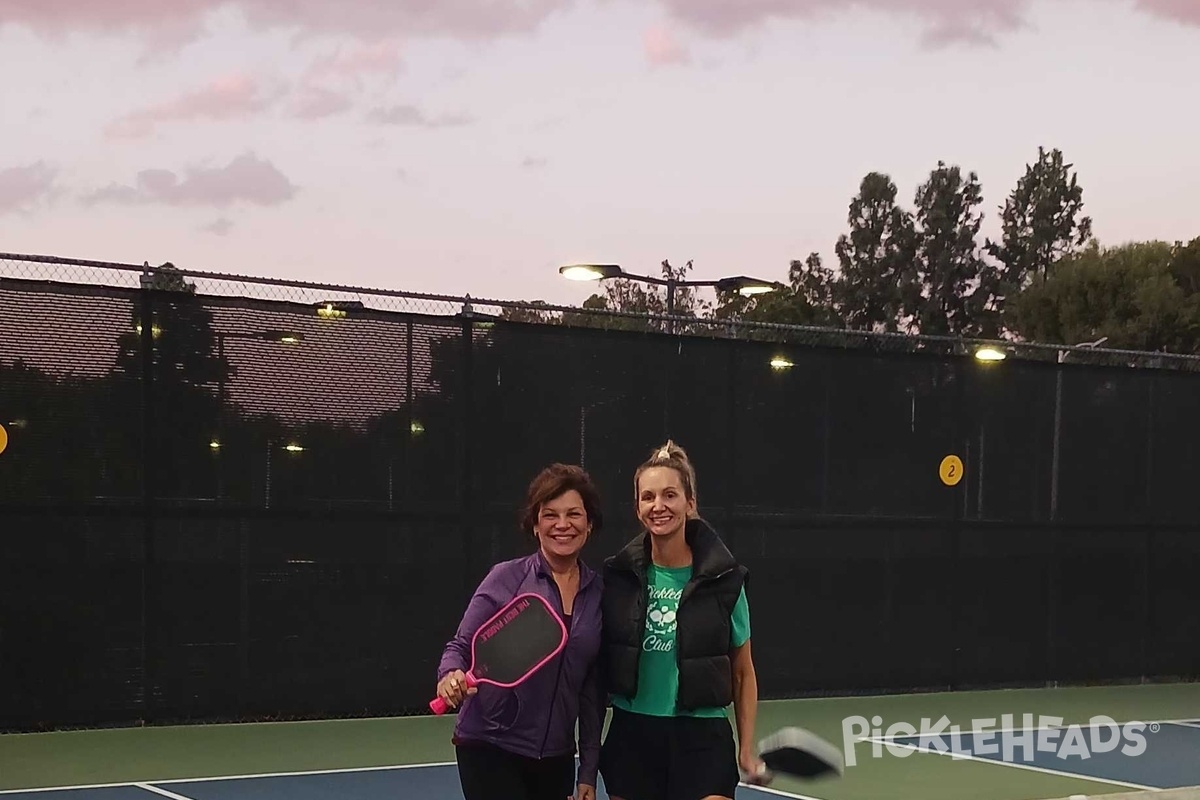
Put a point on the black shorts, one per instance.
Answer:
(668, 758)
(486, 772)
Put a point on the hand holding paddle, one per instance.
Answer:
(798, 753)
(506, 650)
(453, 689)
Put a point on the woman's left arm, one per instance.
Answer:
(745, 708)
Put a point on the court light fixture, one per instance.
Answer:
(598, 272)
(781, 363)
(214, 445)
(990, 354)
(746, 287)
(591, 272)
(294, 448)
(283, 337)
(337, 309)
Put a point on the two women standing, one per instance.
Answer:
(664, 633)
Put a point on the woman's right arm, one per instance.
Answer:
(456, 656)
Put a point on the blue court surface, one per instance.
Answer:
(425, 781)
(1144, 756)
(1129, 756)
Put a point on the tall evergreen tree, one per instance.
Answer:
(957, 287)
(1042, 221)
(875, 258)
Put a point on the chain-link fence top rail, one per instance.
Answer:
(335, 301)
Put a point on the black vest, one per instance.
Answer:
(703, 627)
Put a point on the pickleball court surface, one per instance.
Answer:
(411, 757)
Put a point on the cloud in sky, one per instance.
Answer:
(662, 48)
(344, 68)
(240, 95)
(317, 102)
(412, 116)
(971, 21)
(219, 227)
(228, 97)
(1185, 11)
(368, 19)
(175, 22)
(246, 179)
(22, 187)
(381, 58)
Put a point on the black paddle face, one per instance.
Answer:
(524, 636)
(792, 761)
(797, 752)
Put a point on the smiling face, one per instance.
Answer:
(562, 525)
(663, 506)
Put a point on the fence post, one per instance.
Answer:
(149, 598)
(731, 452)
(247, 693)
(1052, 561)
(827, 432)
(956, 524)
(1055, 457)
(1153, 518)
(466, 476)
(407, 436)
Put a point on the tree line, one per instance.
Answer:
(923, 269)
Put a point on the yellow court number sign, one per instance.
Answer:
(3, 438)
(951, 470)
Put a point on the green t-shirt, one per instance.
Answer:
(658, 672)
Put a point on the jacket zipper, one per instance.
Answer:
(558, 675)
(692, 586)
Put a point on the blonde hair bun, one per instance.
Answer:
(674, 456)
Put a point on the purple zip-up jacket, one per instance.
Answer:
(536, 719)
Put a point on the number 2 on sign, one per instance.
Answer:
(951, 470)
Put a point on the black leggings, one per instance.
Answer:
(487, 773)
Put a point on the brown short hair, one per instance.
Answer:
(554, 481)
(673, 456)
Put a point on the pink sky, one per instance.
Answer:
(466, 146)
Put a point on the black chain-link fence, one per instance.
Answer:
(273, 500)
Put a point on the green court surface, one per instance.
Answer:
(378, 754)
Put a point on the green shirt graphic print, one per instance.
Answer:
(658, 671)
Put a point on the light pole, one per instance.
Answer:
(741, 284)
(1058, 392)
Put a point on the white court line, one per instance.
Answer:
(779, 792)
(148, 787)
(163, 792)
(407, 719)
(203, 779)
(1185, 724)
(1030, 767)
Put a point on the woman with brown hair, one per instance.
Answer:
(676, 649)
(519, 743)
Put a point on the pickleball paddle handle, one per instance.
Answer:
(764, 777)
(439, 706)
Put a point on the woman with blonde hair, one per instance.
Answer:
(676, 649)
